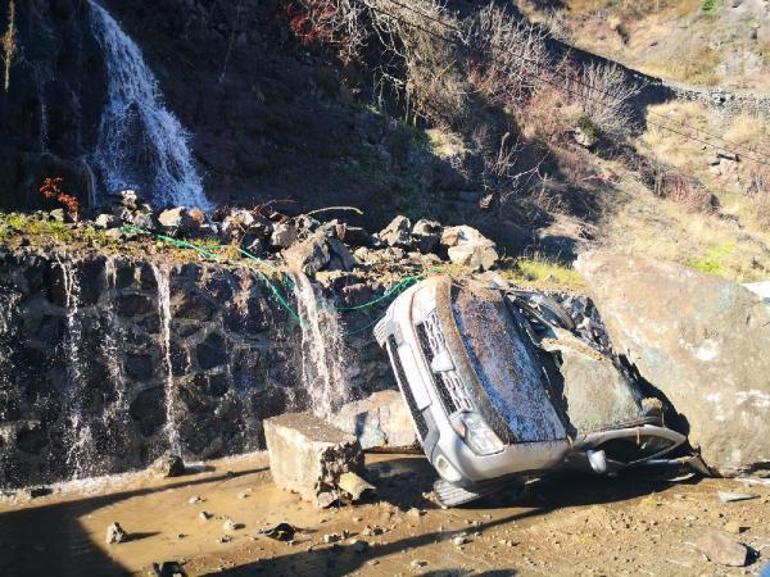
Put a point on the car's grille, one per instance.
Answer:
(419, 419)
(450, 387)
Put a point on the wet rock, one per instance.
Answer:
(722, 549)
(397, 233)
(115, 534)
(468, 247)
(308, 455)
(701, 341)
(380, 420)
(168, 466)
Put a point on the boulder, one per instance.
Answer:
(309, 455)
(379, 421)
(468, 247)
(723, 549)
(106, 220)
(309, 256)
(397, 233)
(701, 340)
(284, 234)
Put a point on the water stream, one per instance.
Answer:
(141, 143)
(162, 278)
(324, 373)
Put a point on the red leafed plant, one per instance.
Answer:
(52, 190)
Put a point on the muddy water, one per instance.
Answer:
(636, 525)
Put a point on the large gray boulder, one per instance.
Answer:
(309, 456)
(700, 340)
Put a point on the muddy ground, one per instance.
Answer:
(638, 524)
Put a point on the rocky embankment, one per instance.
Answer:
(143, 330)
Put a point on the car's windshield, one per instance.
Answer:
(506, 365)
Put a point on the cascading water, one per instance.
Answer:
(141, 143)
(78, 435)
(162, 278)
(323, 351)
(110, 344)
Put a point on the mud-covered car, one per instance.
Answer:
(499, 386)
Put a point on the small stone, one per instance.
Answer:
(115, 534)
(419, 563)
(332, 538)
(372, 531)
(730, 497)
(168, 466)
(195, 500)
(459, 540)
(373, 562)
(106, 220)
(720, 548)
(181, 535)
(415, 512)
(230, 525)
(225, 539)
(204, 515)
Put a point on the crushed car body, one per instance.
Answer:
(499, 387)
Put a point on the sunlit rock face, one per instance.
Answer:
(107, 363)
(701, 340)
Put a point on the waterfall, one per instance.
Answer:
(323, 352)
(78, 435)
(141, 144)
(162, 278)
(110, 345)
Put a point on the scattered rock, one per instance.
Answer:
(380, 420)
(281, 532)
(107, 221)
(310, 255)
(308, 455)
(418, 564)
(284, 235)
(115, 534)
(168, 569)
(397, 233)
(225, 539)
(722, 549)
(729, 497)
(372, 531)
(460, 540)
(230, 525)
(40, 491)
(195, 500)
(204, 515)
(468, 247)
(332, 538)
(177, 220)
(427, 235)
(168, 466)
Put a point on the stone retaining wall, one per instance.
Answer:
(96, 378)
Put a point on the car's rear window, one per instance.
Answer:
(506, 365)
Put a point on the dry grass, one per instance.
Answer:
(9, 44)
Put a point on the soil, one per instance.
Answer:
(637, 524)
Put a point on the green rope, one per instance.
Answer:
(400, 286)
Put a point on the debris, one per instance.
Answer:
(354, 485)
(722, 549)
(168, 569)
(167, 466)
(467, 246)
(230, 525)
(308, 455)
(729, 497)
(281, 532)
(332, 538)
(380, 420)
(115, 534)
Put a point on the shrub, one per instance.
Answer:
(711, 7)
(52, 190)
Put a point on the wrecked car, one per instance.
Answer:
(500, 387)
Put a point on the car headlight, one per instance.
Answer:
(477, 434)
